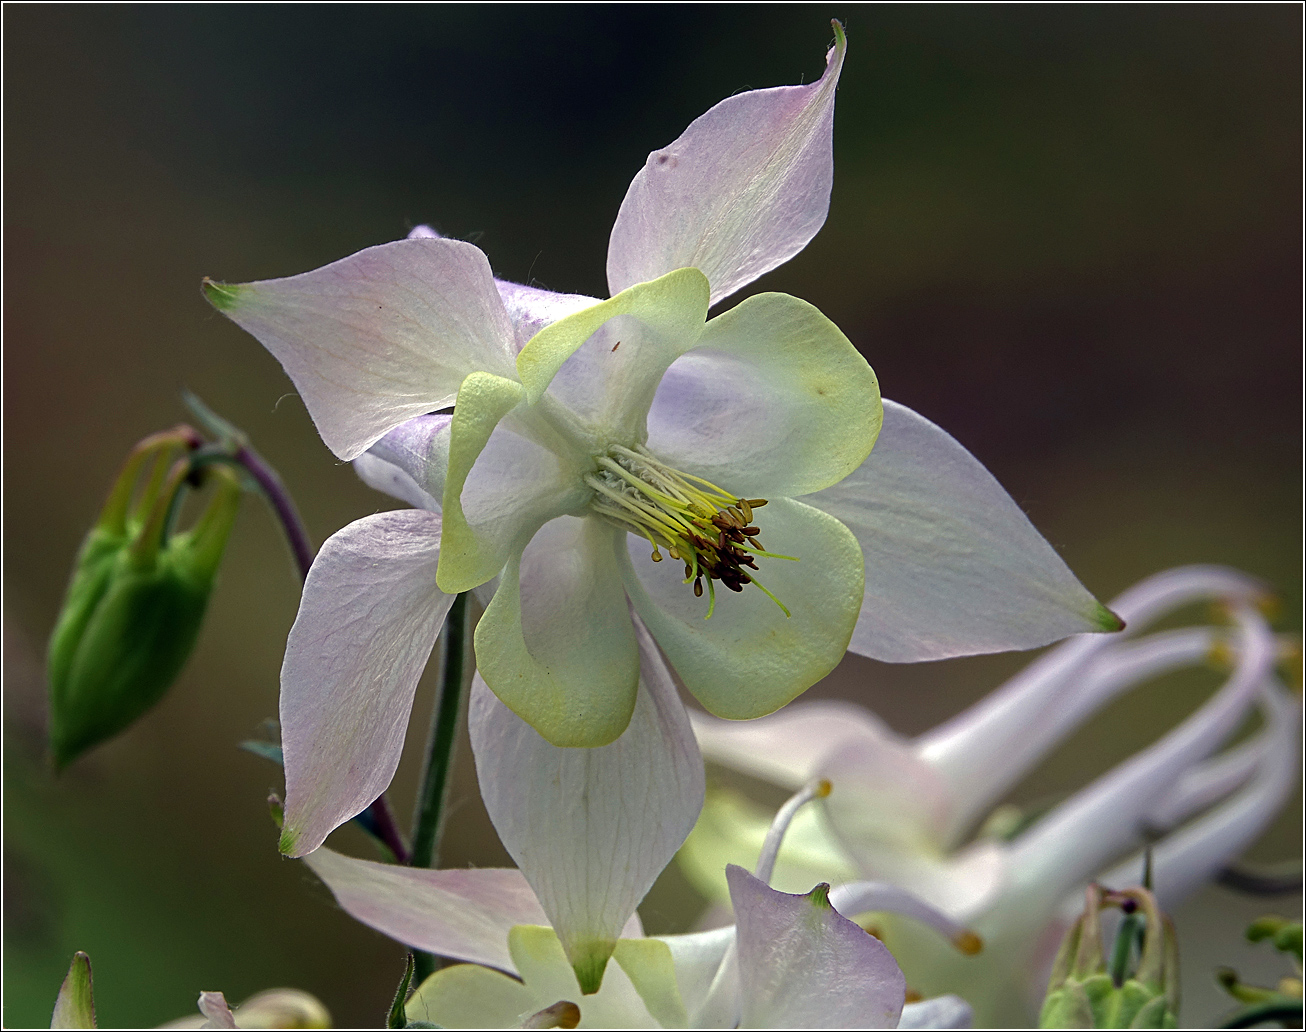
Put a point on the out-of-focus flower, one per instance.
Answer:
(136, 601)
(903, 809)
(272, 1008)
(791, 961)
(580, 470)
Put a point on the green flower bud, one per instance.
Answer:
(1138, 992)
(137, 598)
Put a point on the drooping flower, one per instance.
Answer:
(791, 961)
(903, 808)
(606, 453)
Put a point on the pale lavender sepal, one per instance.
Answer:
(803, 965)
(409, 463)
(379, 337)
(591, 829)
(460, 914)
(741, 191)
(953, 567)
(367, 621)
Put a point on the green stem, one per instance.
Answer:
(439, 752)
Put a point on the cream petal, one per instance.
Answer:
(470, 996)
(591, 829)
(742, 190)
(578, 359)
(773, 401)
(379, 337)
(750, 659)
(505, 478)
(367, 620)
(556, 643)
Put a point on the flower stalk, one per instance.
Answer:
(429, 818)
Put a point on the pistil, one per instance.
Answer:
(698, 523)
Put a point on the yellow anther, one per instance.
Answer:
(968, 942)
(823, 788)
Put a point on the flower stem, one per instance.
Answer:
(282, 504)
(439, 752)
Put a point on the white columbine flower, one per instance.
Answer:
(790, 961)
(903, 809)
(604, 456)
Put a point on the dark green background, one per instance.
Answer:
(1069, 235)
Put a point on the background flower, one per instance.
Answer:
(1069, 236)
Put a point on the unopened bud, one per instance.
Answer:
(136, 599)
(1141, 992)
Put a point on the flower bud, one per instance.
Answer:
(1083, 993)
(137, 597)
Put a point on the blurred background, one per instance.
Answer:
(1069, 235)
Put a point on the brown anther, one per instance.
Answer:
(754, 542)
(750, 531)
(698, 587)
(689, 571)
(757, 503)
(746, 509)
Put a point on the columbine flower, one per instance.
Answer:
(602, 453)
(903, 808)
(791, 961)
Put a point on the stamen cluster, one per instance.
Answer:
(698, 523)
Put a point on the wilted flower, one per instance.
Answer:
(902, 809)
(791, 961)
(606, 453)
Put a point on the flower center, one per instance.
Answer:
(697, 522)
